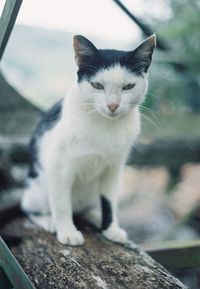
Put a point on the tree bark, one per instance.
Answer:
(97, 264)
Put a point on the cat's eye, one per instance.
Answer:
(128, 86)
(97, 85)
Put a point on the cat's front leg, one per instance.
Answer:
(59, 189)
(109, 205)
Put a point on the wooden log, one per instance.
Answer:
(171, 153)
(185, 254)
(97, 264)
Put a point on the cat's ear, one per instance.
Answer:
(142, 55)
(84, 50)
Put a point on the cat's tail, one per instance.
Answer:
(10, 213)
(7, 215)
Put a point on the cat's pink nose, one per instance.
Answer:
(113, 106)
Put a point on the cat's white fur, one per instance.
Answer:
(84, 154)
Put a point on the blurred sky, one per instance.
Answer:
(102, 21)
(100, 18)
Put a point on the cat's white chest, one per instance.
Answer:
(86, 186)
(86, 150)
(91, 157)
(94, 152)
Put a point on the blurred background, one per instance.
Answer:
(161, 184)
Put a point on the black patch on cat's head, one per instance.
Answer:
(90, 59)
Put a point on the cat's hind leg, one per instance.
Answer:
(93, 216)
(35, 198)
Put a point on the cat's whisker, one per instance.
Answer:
(90, 67)
(90, 112)
(146, 117)
(143, 124)
(143, 108)
(129, 108)
(83, 111)
(55, 117)
(85, 115)
(147, 110)
(152, 95)
(87, 104)
(83, 107)
(135, 66)
(149, 120)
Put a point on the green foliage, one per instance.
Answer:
(174, 89)
(183, 31)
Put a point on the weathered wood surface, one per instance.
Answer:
(13, 271)
(97, 264)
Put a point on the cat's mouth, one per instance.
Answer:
(111, 115)
(114, 115)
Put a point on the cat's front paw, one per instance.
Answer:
(116, 234)
(73, 238)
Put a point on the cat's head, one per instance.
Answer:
(113, 82)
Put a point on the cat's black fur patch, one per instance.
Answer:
(10, 213)
(90, 59)
(109, 57)
(106, 213)
(103, 60)
(48, 121)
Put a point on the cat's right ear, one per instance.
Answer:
(142, 55)
(84, 50)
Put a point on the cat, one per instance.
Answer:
(80, 146)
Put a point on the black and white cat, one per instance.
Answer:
(79, 148)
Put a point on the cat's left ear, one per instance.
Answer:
(84, 50)
(143, 53)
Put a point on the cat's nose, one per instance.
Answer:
(113, 106)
